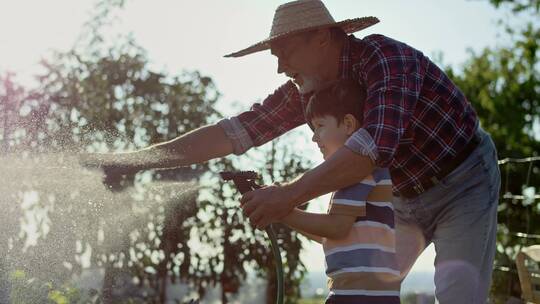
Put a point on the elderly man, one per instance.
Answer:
(416, 122)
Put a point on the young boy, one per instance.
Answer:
(357, 233)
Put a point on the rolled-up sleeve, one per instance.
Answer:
(237, 134)
(393, 85)
(277, 114)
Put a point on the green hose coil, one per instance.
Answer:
(279, 263)
(245, 182)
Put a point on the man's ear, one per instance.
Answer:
(324, 37)
(351, 123)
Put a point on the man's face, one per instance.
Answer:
(328, 134)
(299, 58)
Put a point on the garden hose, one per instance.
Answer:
(245, 182)
(279, 264)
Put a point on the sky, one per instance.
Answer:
(194, 35)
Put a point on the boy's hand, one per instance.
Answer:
(267, 205)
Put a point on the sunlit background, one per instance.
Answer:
(194, 35)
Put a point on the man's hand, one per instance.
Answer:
(267, 205)
(116, 177)
(116, 172)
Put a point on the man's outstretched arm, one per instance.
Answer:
(194, 147)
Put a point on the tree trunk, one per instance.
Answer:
(109, 284)
(223, 295)
(163, 288)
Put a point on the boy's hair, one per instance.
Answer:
(337, 100)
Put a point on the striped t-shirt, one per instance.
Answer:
(362, 267)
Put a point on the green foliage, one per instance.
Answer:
(503, 83)
(30, 290)
(311, 301)
(115, 99)
(519, 5)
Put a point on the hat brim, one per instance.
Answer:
(348, 26)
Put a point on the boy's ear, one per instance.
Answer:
(351, 123)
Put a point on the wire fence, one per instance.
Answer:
(518, 199)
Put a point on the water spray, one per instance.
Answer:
(245, 182)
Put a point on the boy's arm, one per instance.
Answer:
(310, 236)
(332, 226)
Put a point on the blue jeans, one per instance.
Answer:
(459, 215)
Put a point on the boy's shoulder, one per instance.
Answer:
(381, 175)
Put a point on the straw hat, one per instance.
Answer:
(303, 16)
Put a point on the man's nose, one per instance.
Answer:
(314, 138)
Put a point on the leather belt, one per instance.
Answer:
(426, 183)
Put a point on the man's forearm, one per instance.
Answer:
(197, 146)
(342, 169)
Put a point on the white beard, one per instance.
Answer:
(309, 84)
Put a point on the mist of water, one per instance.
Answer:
(57, 216)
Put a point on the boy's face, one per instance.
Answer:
(329, 135)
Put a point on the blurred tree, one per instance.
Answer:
(242, 247)
(106, 98)
(503, 83)
(11, 97)
(113, 102)
(519, 5)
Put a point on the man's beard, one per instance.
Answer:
(309, 84)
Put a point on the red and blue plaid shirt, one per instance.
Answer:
(415, 118)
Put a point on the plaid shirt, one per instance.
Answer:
(415, 118)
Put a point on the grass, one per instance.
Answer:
(312, 301)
